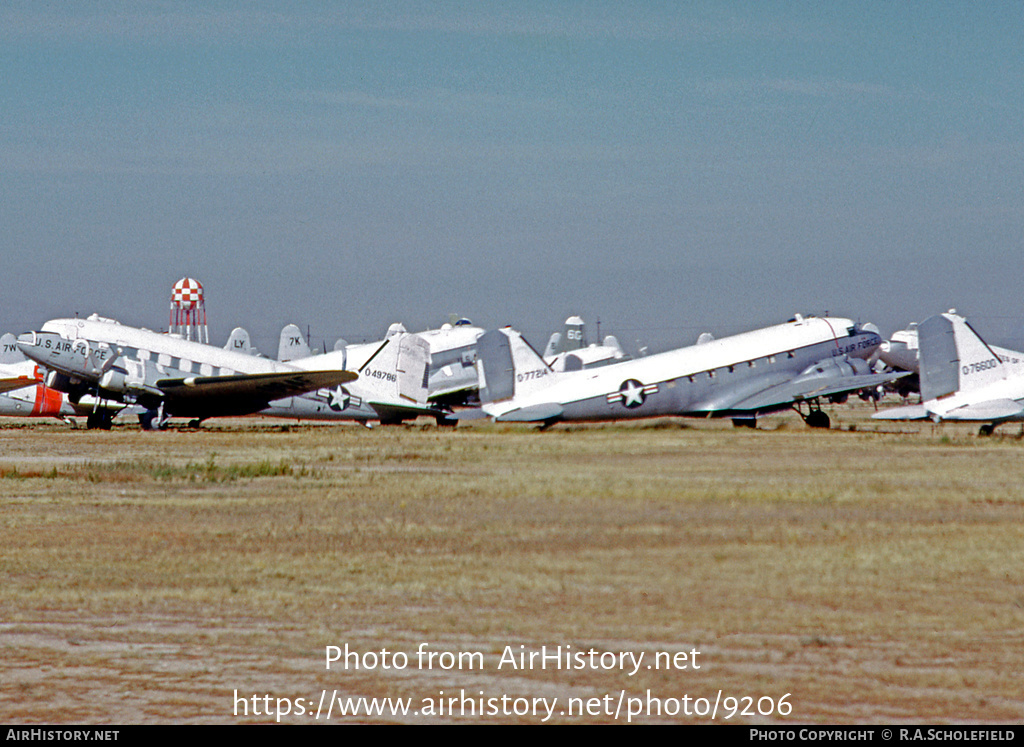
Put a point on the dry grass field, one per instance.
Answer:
(874, 572)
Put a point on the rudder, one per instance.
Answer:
(954, 358)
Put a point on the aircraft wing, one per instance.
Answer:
(16, 382)
(785, 394)
(241, 393)
(994, 409)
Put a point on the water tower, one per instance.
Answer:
(188, 311)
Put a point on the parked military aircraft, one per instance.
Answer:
(25, 395)
(792, 365)
(393, 393)
(391, 387)
(568, 350)
(166, 375)
(963, 378)
(453, 377)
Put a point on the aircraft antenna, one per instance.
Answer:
(188, 311)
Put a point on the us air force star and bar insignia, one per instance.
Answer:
(339, 399)
(632, 393)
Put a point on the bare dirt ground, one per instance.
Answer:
(873, 573)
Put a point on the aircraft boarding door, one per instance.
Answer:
(412, 369)
(494, 366)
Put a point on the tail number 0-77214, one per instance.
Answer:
(529, 375)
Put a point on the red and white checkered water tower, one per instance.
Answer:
(188, 311)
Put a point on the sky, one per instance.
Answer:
(667, 168)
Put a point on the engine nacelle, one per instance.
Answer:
(115, 380)
(835, 368)
(73, 387)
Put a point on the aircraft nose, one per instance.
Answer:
(38, 345)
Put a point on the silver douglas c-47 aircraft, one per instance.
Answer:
(963, 378)
(165, 374)
(793, 365)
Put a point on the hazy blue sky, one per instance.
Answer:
(669, 167)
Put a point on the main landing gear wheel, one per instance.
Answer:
(987, 430)
(99, 419)
(817, 419)
(744, 422)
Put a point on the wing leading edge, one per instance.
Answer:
(17, 382)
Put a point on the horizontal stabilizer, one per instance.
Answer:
(994, 409)
(394, 413)
(474, 414)
(909, 412)
(533, 414)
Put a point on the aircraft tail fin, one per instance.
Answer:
(611, 341)
(397, 370)
(240, 342)
(292, 344)
(554, 345)
(508, 366)
(9, 351)
(954, 358)
(573, 338)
